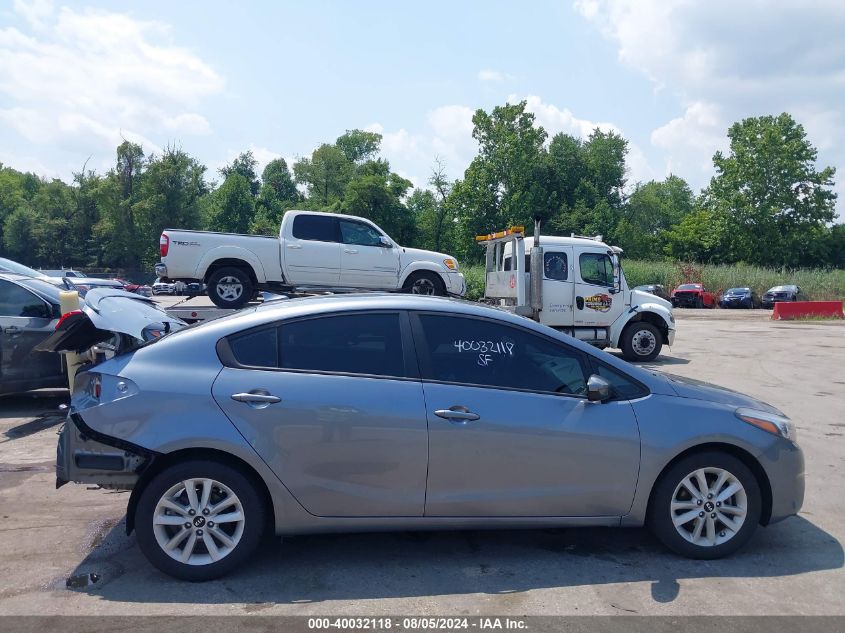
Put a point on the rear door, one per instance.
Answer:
(511, 432)
(25, 320)
(333, 404)
(312, 251)
(365, 261)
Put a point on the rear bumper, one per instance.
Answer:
(86, 456)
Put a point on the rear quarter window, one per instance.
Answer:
(318, 228)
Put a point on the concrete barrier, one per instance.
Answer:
(785, 310)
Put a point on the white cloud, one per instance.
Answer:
(725, 61)
(488, 74)
(555, 120)
(81, 80)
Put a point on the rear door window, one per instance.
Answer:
(319, 228)
(368, 343)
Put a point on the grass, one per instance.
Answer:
(817, 284)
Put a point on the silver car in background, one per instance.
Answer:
(392, 412)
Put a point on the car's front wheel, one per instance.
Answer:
(425, 282)
(199, 519)
(705, 506)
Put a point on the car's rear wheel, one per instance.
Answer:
(230, 287)
(641, 341)
(425, 282)
(199, 519)
(705, 506)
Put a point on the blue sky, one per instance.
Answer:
(280, 78)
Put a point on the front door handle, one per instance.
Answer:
(351, 251)
(457, 414)
(257, 398)
(294, 246)
(579, 301)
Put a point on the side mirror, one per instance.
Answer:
(385, 242)
(598, 389)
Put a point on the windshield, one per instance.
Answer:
(739, 291)
(689, 287)
(14, 267)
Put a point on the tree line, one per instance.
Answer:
(767, 202)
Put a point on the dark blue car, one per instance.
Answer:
(740, 298)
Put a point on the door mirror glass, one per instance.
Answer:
(598, 389)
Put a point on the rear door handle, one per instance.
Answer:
(256, 397)
(457, 414)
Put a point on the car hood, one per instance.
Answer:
(639, 297)
(105, 312)
(418, 255)
(700, 390)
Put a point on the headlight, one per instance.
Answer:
(451, 264)
(770, 422)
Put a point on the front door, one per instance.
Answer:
(312, 253)
(25, 321)
(511, 432)
(596, 302)
(333, 406)
(366, 262)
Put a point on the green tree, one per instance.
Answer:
(231, 207)
(359, 146)
(699, 237)
(376, 193)
(325, 175)
(651, 210)
(278, 194)
(244, 165)
(776, 203)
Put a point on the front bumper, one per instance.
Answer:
(455, 283)
(685, 301)
(786, 477)
(86, 456)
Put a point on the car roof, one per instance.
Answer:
(87, 281)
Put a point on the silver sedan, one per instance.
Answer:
(392, 412)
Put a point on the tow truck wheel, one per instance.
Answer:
(230, 288)
(641, 341)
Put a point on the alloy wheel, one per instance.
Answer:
(230, 288)
(198, 521)
(423, 286)
(709, 507)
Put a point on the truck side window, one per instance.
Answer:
(359, 234)
(596, 268)
(318, 228)
(555, 266)
(506, 264)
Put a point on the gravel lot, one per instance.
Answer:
(794, 567)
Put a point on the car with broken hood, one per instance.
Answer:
(402, 412)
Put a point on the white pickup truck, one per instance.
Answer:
(313, 251)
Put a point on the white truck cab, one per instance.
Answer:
(576, 285)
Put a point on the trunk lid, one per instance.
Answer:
(105, 313)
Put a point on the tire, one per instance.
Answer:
(227, 484)
(720, 540)
(230, 288)
(641, 341)
(425, 282)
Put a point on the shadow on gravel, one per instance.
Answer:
(309, 569)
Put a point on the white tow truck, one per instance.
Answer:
(576, 285)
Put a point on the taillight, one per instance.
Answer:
(66, 316)
(95, 386)
(164, 244)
